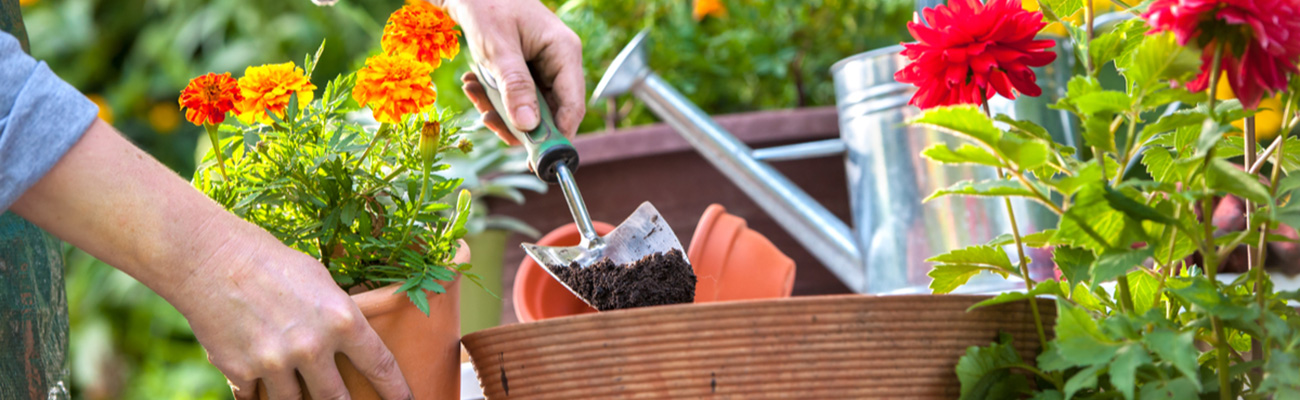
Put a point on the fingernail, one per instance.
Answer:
(525, 117)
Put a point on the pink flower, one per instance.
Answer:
(971, 51)
(1261, 39)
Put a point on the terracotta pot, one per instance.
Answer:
(820, 347)
(427, 348)
(733, 262)
(539, 296)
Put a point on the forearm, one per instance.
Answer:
(117, 203)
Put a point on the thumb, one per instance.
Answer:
(518, 90)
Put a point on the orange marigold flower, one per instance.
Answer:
(208, 98)
(704, 8)
(394, 86)
(269, 87)
(422, 30)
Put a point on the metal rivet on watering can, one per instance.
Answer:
(894, 229)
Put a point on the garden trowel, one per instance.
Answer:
(554, 159)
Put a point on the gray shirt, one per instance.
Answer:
(41, 117)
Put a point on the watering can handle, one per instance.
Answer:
(546, 146)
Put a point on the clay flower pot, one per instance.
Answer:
(823, 347)
(427, 348)
(731, 262)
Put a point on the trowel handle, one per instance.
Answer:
(546, 145)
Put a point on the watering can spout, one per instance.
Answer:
(820, 232)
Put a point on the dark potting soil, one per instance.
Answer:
(657, 279)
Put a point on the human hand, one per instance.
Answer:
(279, 316)
(506, 36)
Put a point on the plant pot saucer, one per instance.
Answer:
(847, 346)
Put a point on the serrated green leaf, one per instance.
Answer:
(1048, 395)
(420, 300)
(1172, 122)
(1084, 297)
(1025, 153)
(965, 121)
(1063, 8)
(1033, 240)
(1085, 379)
(1103, 101)
(1079, 340)
(1160, 165)
(1120, 40)
(1177, 349)
(1123, 369)
(988, 256)
(1155, 61)
(1177, 389)
(1282, 375)
(947, 278)
(1134, 209)
(983, 371)
(1200, 293)
(1074, 263)
(963, 155)
(1210, 135)
(1143, 288)
(987, 188)
(1113, 264)
(1047, 287)
(1097, 133)
(1027, 127)
(1225, 177)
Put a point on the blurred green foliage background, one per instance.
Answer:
(134, 56)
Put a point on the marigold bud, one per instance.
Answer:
(429, 142)
(465, 146)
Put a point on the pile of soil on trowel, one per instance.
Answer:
(657, 279)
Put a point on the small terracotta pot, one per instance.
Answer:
(427, 347)
(733, 262)
(539, 296)
(823, 347)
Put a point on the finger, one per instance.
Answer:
(476, 93)
(323, 380)
(377, 364)
(283, 385)
(242, 389)
(493, 121)
(518, 91)
(561, 64)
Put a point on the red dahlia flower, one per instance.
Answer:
(971, 51)
(1262, 39)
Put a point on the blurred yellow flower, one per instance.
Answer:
(422, 30)
(1099, 7)
(164, 118)
(269, 87)
(1268, 121)
(105, 110)
(394, 86)
(22, 3)
(704, 8)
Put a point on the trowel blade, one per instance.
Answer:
(643, 233)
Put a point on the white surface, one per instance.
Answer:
(469, 389)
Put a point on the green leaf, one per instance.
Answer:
(984, 372)
(989, 256)
(1224, 176)
(1048, 395)
(1113, 264)
(1075, 263)
(420, 300)
(1143, 288)
(1211, 134)
(1063, 9)
(1202, 294)
(1177, 389)
(1160, 165)
(966, 154)
(1097, 133)
(1048, 287)
(966, 121)
(1172, 122)
(987, 188)
(1080, 342)
(1085, 379)
(1282, 375)
(1155, 61)
(1123, 369)
(1118, 41)
(1104, 101)
(1177, 349)
(1028, 127)
(947, 278)
(1288, 185)
(1033, 240)
(1134, 209)
(1085, 298)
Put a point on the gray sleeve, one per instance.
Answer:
(41, 117)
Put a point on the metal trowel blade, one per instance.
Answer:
(643, 233)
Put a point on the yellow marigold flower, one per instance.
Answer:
(23, 3)
(105, 110)
(394, 86)
(269, 87)
(422, 30)
(164, 118)
(704, 8)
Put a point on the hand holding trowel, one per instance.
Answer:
(639, 263)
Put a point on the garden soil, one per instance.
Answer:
(657, 279)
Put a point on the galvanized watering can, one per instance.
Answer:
(893, 229)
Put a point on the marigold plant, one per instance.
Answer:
(424, 31)
(208, 98)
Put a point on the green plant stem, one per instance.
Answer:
(1214, 78)
(1128, 150)
(1210, 258)
(1260, 296)
(1054, 380)
(379, 135)
(1089, 13)
(213, 133)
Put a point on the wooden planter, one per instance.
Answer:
(623, 168)
(823, 347)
